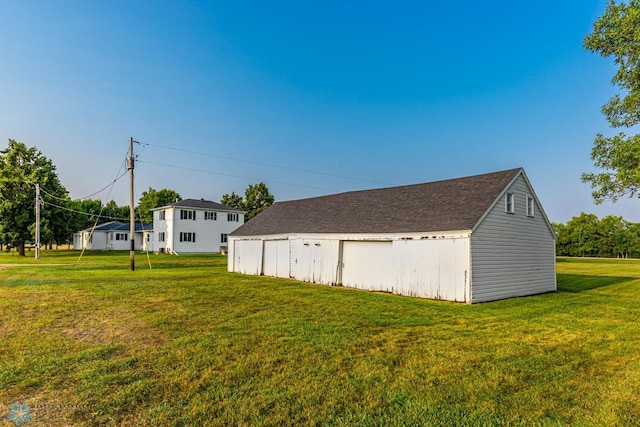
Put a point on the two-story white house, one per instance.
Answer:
(194, 226)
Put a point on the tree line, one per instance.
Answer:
(586, 235)
(22, 167)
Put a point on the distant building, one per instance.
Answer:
(472, 239)
(113, 236)
(194, 226)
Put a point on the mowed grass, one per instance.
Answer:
(187, 343)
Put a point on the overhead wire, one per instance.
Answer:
(234, 176)
(91, 214)
(105, 187)
(308, 171)
(84, 245)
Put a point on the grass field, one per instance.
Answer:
(186, 343)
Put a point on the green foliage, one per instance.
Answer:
(233, 200)
(90, 208)
(617, 33)
(22, 167)
(256, 199)
(112, 212)
(153, 199)
(587, 236)
(188, 343)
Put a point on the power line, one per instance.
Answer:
(103, 188)
(267, 164)
(84, 213)
(234, 176)
(51, 195)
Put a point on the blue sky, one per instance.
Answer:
(339, 95)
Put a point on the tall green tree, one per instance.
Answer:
(153, 199)
(22, 167)
(583, 233)
(617, 34)
(257, 198)
(233, 200)
(112, 212)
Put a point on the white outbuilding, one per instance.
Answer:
(113, 236)
(472, 239)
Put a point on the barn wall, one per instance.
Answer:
(276, 258)
(512, 254)
(316, 260)
(247, 256)
(368, 265)
(432, 268)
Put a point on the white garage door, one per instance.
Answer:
(367, 265)
(247, 256)
(276, 258)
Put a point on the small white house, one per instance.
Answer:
(472, 239)
(194, 226)
(112, 236)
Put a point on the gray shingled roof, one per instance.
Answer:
(120, 226)
(202, 204)
(455, 204)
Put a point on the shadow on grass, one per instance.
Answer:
(576, 283)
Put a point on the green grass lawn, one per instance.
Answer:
(186, 343)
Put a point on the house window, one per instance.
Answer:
(148, 237)
(162, 215)
(161, 236)
(223, 238)
(211, 215)
(187, 237)
(122, 236)
(530, 206)
(509, 203)
(187, 214)
(232, 217)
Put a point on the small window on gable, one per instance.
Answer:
(530, 206)
(509, 203)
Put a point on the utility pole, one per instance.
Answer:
(37, 221)
(132, 221)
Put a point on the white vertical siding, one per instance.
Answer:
(276, 258)
(512, 254)
(432, 268)
(247, 256)
(368, 265)
(317, 261)
(293, 257)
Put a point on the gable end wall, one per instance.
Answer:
(512, 254)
